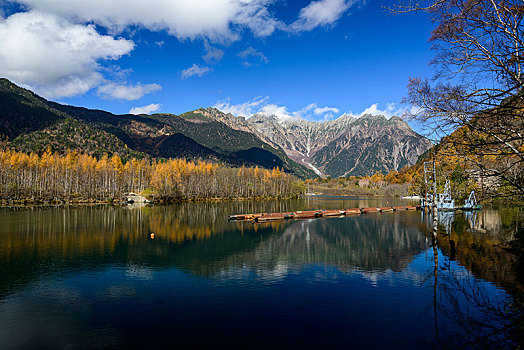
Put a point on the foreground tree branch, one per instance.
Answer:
(477, 87)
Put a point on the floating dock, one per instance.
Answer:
(312, 214)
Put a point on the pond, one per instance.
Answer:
(92, 277)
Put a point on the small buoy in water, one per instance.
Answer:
(152, 235)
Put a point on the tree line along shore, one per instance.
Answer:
(77, 177)
(73, 177)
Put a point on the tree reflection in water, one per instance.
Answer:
(479, 242)
(468, 257)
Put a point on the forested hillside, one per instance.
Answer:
(31, 123)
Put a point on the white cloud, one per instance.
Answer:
(154, 107)
(263, 106)
(55, 49)
(391, 110)
(327, 113)
(217, 20)
(320, 13)
(414, 111)
(116, 72)
(256, 105)
(195, 71)
(324, 110)
(53, 56)
(213, 55)
(311, 112)
(126, 92)
(245, 109)
(257, 17)
(302, 113)
(281, 112)
(252, 52)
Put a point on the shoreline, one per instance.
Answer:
(36, 202)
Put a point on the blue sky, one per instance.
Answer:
(314, 59)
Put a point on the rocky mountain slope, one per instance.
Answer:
(347, 145)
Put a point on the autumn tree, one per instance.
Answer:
(80, 176)
(475, 100)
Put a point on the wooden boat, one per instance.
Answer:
(399, 208)
(352, 211)
(237, 217)
(272, 217)
(333, 213)
(269, 218)
(242, 217)
(310, 214)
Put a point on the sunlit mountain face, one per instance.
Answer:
(347, 145)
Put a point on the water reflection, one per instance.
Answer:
(480, 241)
(346, 279)
(198, 238)
(485, 317)
(369, 243)
(446, 219)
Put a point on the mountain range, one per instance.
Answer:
(345, 146)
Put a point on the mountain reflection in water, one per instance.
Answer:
(344, 279)
(199, 238)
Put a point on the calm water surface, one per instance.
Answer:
(91, 277)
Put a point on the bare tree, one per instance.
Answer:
(474, 104)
